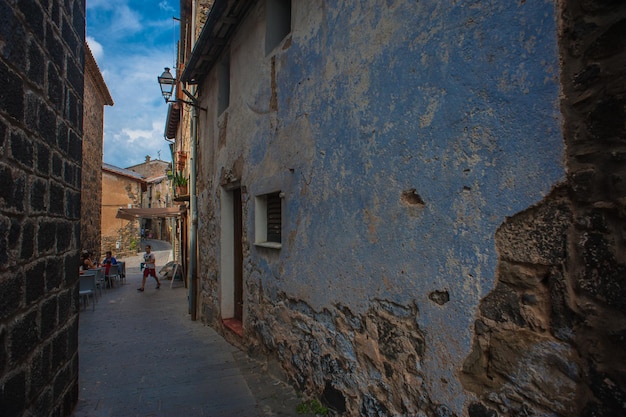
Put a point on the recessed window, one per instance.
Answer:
(277, 22)
(268, 220)
(223, 88)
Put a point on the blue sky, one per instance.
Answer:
(132, 41)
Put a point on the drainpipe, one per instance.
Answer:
(168, 199)
(193, 250)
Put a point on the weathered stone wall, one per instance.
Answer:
(550, 337)
(41, 108)
(128, 237)
(158, 194)
(204, 7)
(93, 134)
(433, 220)
(119, 191)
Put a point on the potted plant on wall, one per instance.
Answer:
(180, 182)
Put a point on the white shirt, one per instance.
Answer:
(149, 260)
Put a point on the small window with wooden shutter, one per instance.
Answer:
(268, 220)
(273, 217)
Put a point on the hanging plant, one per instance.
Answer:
(180, 180)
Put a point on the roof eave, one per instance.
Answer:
(222, 22)
(172, 120)
(112, 169)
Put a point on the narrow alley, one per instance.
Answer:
(141, 355)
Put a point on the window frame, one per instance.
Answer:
(264, 216)
(278, 23)
(223, 84)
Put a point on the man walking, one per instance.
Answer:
(149, 268)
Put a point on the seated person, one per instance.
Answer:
(86, 262)
(108, 260)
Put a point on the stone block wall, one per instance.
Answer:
(96, 96)
(41, 108)
(91, 184)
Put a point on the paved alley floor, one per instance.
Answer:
(141, 355)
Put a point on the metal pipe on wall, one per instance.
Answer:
(193, 250)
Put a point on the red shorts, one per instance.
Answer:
(149, 271)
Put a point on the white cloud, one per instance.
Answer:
(119, 19)
(125, 21)
(135, 135)
(100, 4)
(134, 47)
(142, 135)
(135, 125)
(164, 5)
(129, 146)
(96, 48)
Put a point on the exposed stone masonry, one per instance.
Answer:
(96, 96)
(560, 300)
(128, 236)
(119, 190)
(41, 102)
(325, 349)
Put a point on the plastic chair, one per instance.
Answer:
(113, 274)
(122, 270)
(100, 281)
(88, 287)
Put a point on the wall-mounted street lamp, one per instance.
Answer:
(167, 83)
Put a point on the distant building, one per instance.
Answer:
(135, 199)
(121, 188)
(96, 97)
(151, 167)
(158, 174)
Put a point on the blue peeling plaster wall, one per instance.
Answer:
(458, 101)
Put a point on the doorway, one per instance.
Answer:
(231, 259)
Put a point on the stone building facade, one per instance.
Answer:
(178, 132)
(121, 188)
(151, 167)
(159, 184)
(41, 116)
(158, 194)
(417, 208)
(96, 97)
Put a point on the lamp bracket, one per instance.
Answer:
(193, 102)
